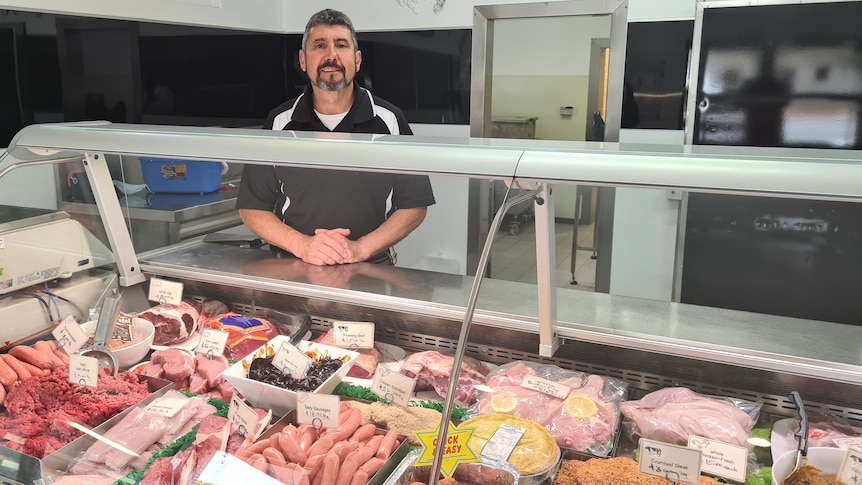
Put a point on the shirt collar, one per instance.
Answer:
(360, 112)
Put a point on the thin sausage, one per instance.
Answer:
(360, 478)
(35, 371)
(344, 448)
(363, 432)
(374, 443)
(16, 366)
(62, 355)
(313, 465)
(258, 461)
(289, 474)
(365, 454)
(387, 446)
(31, 356)
(343, 406)
(306, 437)
(348, 467)
(319, 447)
(371, 466)
(7, 375)
(329, 472)
(291, 450)
(2, 395)
(347, 425)
(273, 456)
(44, 347)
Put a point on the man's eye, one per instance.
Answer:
(319, 45)
(342, 45)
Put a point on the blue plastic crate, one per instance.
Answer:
(181, 176)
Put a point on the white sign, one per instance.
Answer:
(671, 462)
(722, 459)
(848, 442)
(164, 291)
(318, 410)
(353, 335)
(84, 370)
(70, 337)
(393, 386)
(226, 469)
(167, 406)
(547, 387)
(504, 440)
(851, 468)
(242, 416)
(212, 342)
(2, 243)
(291, 361)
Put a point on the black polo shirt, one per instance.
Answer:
(309, 199)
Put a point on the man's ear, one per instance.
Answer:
(302, 60)
(357, 57)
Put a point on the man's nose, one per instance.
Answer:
(330, 52)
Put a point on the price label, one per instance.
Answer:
(84, 370)
(848, 442)
(393, 386)
(164, 291)
(353, 335)
(545, 386)
(212, 342)
(291, 360)
(167, 406)
(318, 410)
(503, 441)
(722, 459)
(242, 416)
(671, 462)
(69, 335)
(224, 468)
(851, 468)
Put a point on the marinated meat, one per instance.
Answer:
(364, 365)
(673, 414)
(604, 471)
(432, 370)
(173, 323)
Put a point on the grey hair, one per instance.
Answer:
(330, 17)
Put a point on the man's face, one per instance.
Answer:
(329, 57)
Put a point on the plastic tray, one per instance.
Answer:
(181, 176)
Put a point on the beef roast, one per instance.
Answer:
(364, 365)
(173, 323)
(432, 370)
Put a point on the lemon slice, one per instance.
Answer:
(504, 402)
(580, 406)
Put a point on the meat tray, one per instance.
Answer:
(26, 469)
(487, 472)
(380, 477)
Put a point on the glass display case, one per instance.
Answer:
(648, 343)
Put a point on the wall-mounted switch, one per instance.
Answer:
(566, 110)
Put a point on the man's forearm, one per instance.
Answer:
(401, 223)
(271, 229)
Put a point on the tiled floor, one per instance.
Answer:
(513, 257)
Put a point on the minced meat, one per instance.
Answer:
(38, 409)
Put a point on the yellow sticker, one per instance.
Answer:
(456, 451)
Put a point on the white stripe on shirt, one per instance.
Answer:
(285, 117)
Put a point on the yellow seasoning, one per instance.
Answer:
(456, 451)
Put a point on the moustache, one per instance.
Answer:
(330, 64)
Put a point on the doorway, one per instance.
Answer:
(543, 61)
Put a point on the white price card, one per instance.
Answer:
(353, 335)
(70, 337)
(226, 469)
(545, 386)
(164, 291)
(290, 360)
(854, 442)
(671, 462)
(242, 416)
(167, 406)
(318, 410)
(393, 386)
(84, 370)
(502, 442)
(212, 342)
(722, 459)
(851, 468)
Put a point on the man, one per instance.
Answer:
(327, 217)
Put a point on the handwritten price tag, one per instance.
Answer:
(83, 370)
(164, 291)
(319, 410)
(167, 406)
(393, 386)
(671, 462)
(242, 415)
(69, 335)
(545, 386)
(212, 342)
(291, 361)
(353, 335)
(722, 459)
(851, 468)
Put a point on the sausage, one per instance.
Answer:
(365, 454)
(348, 467)
(7, 375)
(329, 472)
(387, 446)
(306, 437)
(258, 461)
(374, 443)
(347, 425)
(360, 478)
(274, 457)
(363, 432)
(2, 395)
(249, 447)
(62, 355)
(31, 356)
(343, 406)
(289, 474)
(291, 450)
(44, 347)
(35, 371)
(313, 465)
(319, 447)
(16, 366)
(344, 448)
(371, 466)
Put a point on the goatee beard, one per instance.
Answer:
(333, 85)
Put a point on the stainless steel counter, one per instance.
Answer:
(820, 350)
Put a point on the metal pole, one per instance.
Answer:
(465, 327)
